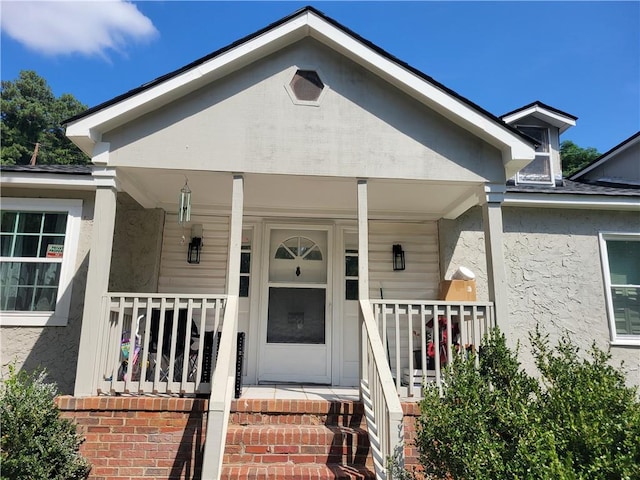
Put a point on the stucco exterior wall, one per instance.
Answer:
(137, 245)
(247, 121)
(462, 245)
(55, 348)
(554, 273)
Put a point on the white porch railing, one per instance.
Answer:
(382, 406)
(423, 334)
(158, 343)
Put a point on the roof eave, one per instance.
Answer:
(42, 180)
(86, 130)
(573, 201)
(621, 147)
(551, 116)
(517, 150)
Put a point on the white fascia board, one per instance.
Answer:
(585, 202)
(441, 101)
(47, 180)
(88, 130)
(561, 121)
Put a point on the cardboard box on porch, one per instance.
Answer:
(459, 290)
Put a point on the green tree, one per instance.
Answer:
(574, 420)
(30, 114)
(574, 157)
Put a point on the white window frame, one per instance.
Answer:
(603, 237)
(247, 247)
(547, 154)
(349, 252)
(59, 317)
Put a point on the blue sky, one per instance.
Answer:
(580, 57)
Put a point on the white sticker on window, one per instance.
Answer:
(54, 251)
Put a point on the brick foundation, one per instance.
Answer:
(411, 412)
(137, 438)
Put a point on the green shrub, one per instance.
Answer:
(575, 420)
(37, 443)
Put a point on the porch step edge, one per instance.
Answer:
(252, 405)
(296, 472)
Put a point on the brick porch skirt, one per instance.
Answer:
(137, 438)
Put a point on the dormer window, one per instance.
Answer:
(540, 170)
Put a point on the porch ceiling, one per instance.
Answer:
(298, 196)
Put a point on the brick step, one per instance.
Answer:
(297, 440)
(297, 444)
(297, 412)
(261, 418)
(296, 472)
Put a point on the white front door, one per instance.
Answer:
(296, 330)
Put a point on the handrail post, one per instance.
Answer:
(386, 410)
(221, 393)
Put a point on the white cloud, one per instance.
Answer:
(89, 27)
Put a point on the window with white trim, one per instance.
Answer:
(245, 262)
(351, 265)
(38, 246)
(351, 274)
(540, 170)
(620, 255)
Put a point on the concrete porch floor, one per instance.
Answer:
(299, 392)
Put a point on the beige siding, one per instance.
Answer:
(420, 243)
(178, 276)
(420, 279)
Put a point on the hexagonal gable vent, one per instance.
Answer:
(306, 85)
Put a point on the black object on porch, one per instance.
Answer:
(181, 349)
(168, 330)
(239, 361)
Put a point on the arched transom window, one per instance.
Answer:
(298, 248)
(298, 258)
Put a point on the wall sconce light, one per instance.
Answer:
(398, 257)
(184, 204)
(195, 245)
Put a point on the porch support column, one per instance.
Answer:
(363, 269)
(104, 217)
(222, 382)
(235, 235)
(363, 241)
(493, 239)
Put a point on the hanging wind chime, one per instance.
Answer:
(184, 207)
